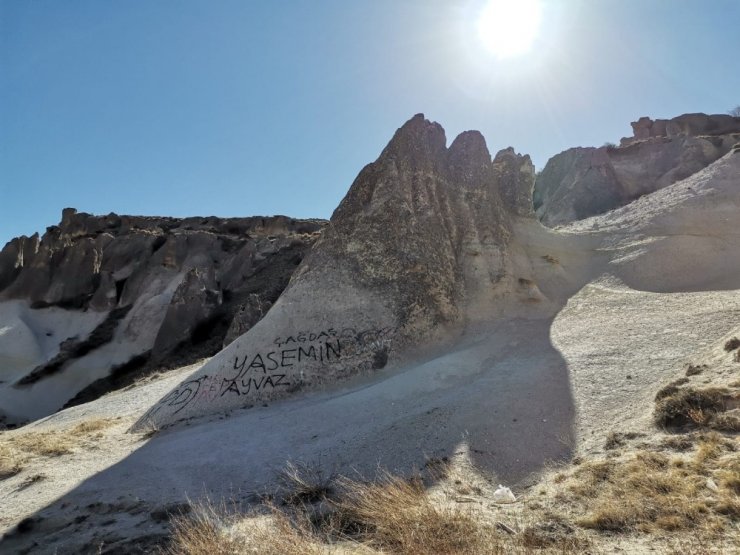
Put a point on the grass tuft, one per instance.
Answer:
(304, 484)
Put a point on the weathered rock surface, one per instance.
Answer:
(419, 246)
(175, 283)
(583, 182)
(516, 175)
(246, 317)
(686, 125)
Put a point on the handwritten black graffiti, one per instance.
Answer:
(306, 337)
(361, 338)
(285, 358)
(269, 370)
(179, 397)
(252, 370)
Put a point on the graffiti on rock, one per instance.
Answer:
(271, 369)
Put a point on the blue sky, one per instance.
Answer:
(238, 108)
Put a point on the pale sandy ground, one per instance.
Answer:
(605, 334)
(505, 399)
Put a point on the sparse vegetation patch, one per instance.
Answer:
(17, 448)
(690, 406)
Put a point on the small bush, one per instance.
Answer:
(689, 406)
(732, 344)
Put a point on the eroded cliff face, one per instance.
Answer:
(418, 247)
(583, 182)
(98, 298)
(413, 224)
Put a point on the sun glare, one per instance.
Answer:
(509, 27)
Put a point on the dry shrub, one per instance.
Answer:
(392, 515)
(729, 506)
(711, 447)
(397, 516)
(725, 422)
(304, 484)
(729, 475)
(689, 406)
(732, 344)
(201, 532)
(11, 461)
(644, 491)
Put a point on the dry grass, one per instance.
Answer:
(201, 533)
(649, 492)
(90, 426)
(221, 530)
(643, 494)
(396, 515)
(11, 461)
(304, 484)
(693, 490)
(17, 448)
(392, 515)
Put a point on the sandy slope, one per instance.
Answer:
(434, 409)
(628, 298)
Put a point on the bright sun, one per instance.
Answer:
(508, 27)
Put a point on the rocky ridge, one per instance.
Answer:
(583, 182)
(135, 293)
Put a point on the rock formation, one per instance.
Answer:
(428, 241)
(583, 182)
(687, 125)
(419, 246)
(516, 176)
(102, 294)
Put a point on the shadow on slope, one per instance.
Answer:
(501, 396)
